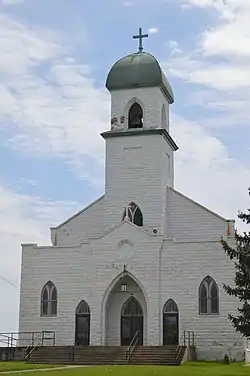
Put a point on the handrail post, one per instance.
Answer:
(132, 345)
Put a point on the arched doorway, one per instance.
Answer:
(82, 332)
(131, 321)
(170, 323)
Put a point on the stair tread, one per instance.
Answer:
(165, 355)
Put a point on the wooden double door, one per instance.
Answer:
(131, 322)
(129, 327)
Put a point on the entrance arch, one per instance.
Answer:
(82, 331)
(131, 321)
(170, 323)
(123, 287)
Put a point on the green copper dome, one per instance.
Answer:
(138, 70)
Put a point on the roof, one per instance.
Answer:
(199, 205)
(76, 214)
(138, 70)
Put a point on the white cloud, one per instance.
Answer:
(11, 2)
(206, 172)
(23, 219)
(128, 3)
(56, 110)
(153, 30)
(219, 63)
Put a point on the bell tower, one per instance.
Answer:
(139, 148)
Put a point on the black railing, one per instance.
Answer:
(24, 339)
(72, 353)
(38, 341)
(26, 342)
(132, 345)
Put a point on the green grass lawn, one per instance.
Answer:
(17, 366)
(190, 369)
(186, 370)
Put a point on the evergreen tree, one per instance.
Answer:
(241, 290)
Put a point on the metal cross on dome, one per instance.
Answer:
(140, 37)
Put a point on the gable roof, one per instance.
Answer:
(199, 205)
(78, 213)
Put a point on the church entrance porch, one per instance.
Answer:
(125, 313)
(170, 323)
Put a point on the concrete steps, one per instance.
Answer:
(161, 355)
(98, 355)
(79, 355)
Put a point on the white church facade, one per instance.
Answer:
(142, 257)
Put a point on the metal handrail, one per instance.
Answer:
(73, 352)
(7, 338)
(14, 339)
(40, 336)
(191, 341)
(34, 346)
(132, 345)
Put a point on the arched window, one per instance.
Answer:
(132, 308)
(135, 116)
(134, 214)
(49, 300)
(83, 308)
(208, 297)
(170, 307)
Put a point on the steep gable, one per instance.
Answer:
(81, 226)
(187, 219)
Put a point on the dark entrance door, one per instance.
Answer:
(170, 323)
(131, 322)
(82, 330)
(82, 334)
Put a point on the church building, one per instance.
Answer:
(143, 258)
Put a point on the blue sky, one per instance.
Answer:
(55, 57)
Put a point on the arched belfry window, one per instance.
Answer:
(135, 116)
(208, 297)
(134, 214)
(49, 300)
